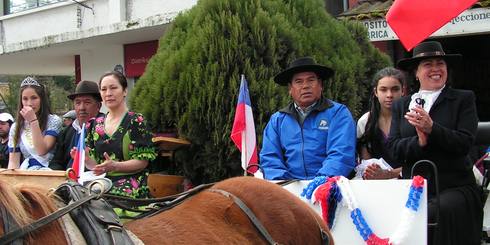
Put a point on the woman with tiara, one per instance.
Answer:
(33, 135)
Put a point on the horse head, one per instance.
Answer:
(21, 205)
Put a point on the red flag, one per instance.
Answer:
(243, 131)
(415, 20)
(79, 160)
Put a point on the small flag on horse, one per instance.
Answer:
(243, 131)
(79, 161)
(415, 20)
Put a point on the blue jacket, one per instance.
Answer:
(323, 145)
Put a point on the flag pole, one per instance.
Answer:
(244, 141)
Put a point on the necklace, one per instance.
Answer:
(330, 191)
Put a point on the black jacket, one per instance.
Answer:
(66, 140)
(453, 133)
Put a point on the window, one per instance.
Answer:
(15, 6)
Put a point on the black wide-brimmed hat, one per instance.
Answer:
(427, 50)
(86, 88)
(301, 65)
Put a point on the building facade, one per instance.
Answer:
(84, 38)
(467, 34)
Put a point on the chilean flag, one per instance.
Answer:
(79, 161)
(415, 20)
(243, 131)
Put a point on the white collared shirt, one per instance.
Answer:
(428, 96)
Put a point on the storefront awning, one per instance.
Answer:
(372, 14)
(374, 9)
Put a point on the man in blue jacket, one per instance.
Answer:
(312, 136)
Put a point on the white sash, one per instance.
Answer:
(28, 143)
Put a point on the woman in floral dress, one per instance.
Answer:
(119, 142)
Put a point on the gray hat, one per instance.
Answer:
(70, 114)
(86, 88)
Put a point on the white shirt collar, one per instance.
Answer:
(428, 96)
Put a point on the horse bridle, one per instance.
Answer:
(9, 224)
(256, 222)
(18, 232)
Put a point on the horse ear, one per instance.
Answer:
(37, 196)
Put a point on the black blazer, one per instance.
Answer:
(453, 133)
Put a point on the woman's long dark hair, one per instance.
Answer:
(42, 115)
(370, 137)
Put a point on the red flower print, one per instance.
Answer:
(134, 183)
(131, 113)
(100, 130)
(139, 119)
(99, 120)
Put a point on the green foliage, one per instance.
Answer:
(192, 82)
(373, 61)
(59, 88)
(12, 97)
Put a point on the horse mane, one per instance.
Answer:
(13, 201)
(27, 203)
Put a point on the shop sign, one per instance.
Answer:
(472, 21)
(137, 55)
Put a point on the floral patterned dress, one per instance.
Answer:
(131, 140)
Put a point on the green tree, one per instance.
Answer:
(192, 82)
(373, 61)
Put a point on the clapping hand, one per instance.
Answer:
(422, 122)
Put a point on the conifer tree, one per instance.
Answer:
(192, 82)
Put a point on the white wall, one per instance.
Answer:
(97, 61)
(68, 21)
(40, 24)
(140, 9)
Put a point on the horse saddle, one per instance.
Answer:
(96, 219)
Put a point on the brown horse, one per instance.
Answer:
(207, 217)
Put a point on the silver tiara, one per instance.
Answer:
(29, 81)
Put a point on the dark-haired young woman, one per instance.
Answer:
(374, 126)
(34, 132)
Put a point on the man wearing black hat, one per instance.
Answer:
(312, 136)
(87, 103)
